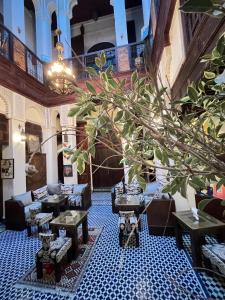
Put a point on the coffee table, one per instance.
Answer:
(70, 220)
(197, 229)
(53, 204)
(131, 203)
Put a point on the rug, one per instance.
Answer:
(71, 275)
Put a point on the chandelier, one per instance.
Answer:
(60, 77)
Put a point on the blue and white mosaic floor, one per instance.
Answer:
(152, 271)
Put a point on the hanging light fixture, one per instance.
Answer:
(60, 77)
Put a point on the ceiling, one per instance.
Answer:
(91, 9)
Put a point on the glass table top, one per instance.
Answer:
(205, 220)
(54, 199)
(129, 200)
(69, 218)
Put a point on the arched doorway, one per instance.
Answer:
(100, 46)
(113, 173)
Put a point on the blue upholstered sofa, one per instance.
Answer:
(17, 209)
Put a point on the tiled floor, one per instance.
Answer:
(152, 271)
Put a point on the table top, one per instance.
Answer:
(54, 199)
(205, 220)
(129, 200)
(69, 218)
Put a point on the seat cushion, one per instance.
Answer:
(78, 188)
(119, 188)
(54, 189)
(151, 188)
(25, 198)
(133, 188)
(41, 193)
(33, 205)
(74, 200)
(216, 254)
(67, 189)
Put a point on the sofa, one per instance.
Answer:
(121, 190)
(17, 209)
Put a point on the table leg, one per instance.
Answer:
(220, 236)
(55, 230)
(74, 235)
(29, 230)
(85, 230)
(196, 243)
(56, 211)
(178, 235)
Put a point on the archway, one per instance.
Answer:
(101, 46)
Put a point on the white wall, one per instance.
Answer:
(30, 32)
(103, 30)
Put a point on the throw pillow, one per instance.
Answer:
(67, 189)
(41, 193)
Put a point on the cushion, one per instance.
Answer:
(119, 188)
(78, 188)
(74, 200)
(41, 193)
(67, 189)
(152, 188)
(54, 189)
(25, 198)
(33, 205)
(133, 188)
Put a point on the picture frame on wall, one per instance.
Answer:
(7, 169)
(33, 143)
(68, 171)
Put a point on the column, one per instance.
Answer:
(63, 23)
(14, 20)
(15, 150)
(146, 7)
(43, 31)
(120, 22)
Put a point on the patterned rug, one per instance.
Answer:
(71, 275)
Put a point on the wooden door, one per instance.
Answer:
(82, 143)
(105, 178)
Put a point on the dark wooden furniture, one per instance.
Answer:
(207, 224)
(54, 204)
(159, 216)
(131, 205)
(70, 220)
(213, 208)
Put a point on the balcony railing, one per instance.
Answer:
(115, 57)
(14, 50)
(121, 58)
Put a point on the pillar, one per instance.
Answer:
(146, 7)
(63, 23)
(120, 22)
(14, 20)
(15, 150)
(43, 31)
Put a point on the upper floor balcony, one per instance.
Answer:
(23, 59)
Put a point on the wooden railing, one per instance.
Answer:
(80, 63)
(14, 50)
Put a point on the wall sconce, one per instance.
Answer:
(22, 133)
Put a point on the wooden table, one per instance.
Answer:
(197, 229)
(131, 203)
(53, 204)
(70, 220)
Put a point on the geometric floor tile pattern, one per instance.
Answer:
(147, 272)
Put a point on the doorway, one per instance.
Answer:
(105, 178)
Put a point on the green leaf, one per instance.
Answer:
(118, 116)
(134, 77)
(209, 75)
(74, 111)
(92, 71)
(102, 58)
(80, 165)
(203, 203)
(91, 88)
(141, 181)
(192, 93)
(197, 6)
(198, 182)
